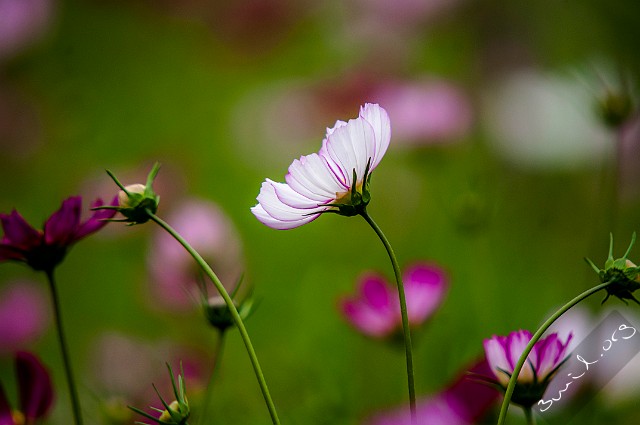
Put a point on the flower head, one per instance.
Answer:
(135, 201)
(175, 413)
(43, 250)
(375, 311)
(623, 275)
(543, 362)
(336, 179)
(34, 390)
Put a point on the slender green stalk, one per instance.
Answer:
(73, 394)
(217, 354)
(403, 310)
(523, 357)
(531, 420)
(232, 308)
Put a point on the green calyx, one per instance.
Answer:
(622, 274)
(356, 201)
(175, 413)
(218, 313)
(137, 200)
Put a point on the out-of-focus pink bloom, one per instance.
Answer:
(21, 23)
(375, 311)
(628, 154)
(24, 315)
(425, 112)
(43, 250)
(174, 274)
(463, 403)
(542, 363)
(34, 390)
(316, 183)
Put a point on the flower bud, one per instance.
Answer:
(127, 199)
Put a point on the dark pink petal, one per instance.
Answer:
(24, 315)
(35, 389)
(17, 232)
(376, 291)
(470, 399)
(8, 252)
(425, 286)
(368, 320)
(6, 417)
(97, 219)
(60, 228)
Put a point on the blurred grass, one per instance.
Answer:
(120, 84)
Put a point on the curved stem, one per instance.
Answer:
(232, 308)
(216, 360)
(403, 310)
(523, 357)
(73, 394)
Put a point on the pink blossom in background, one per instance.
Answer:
(463, 402)
(628, 154)
(375, 310)
(174, 275)
(21, 23)
(425, 112)
(24, 315)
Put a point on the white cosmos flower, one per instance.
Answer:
(318, 182)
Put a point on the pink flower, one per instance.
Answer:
(547, 356)
(375, 311)
(463, 402)
(335, 177)
(21, 22)
(24, 315)
(34, 389)
(174, 276)
(426, 112)
(43, 250)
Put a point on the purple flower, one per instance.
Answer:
(375, 311)
(463, 402)
(21, 23)
(43, 250)
(204, 225)
(335, 177)
(543, 362)
(35, 392)
(24, 315)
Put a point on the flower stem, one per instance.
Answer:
(523, 357)
(232, 308)
(531, 420)
(216, 360)
(73, 394)
(403, 310)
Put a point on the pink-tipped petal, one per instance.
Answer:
(495, 350)
(378, 118)
(97, 220)
(269, 221)
(17, 232)
(61, 226)
(425, 286)
(36, 391)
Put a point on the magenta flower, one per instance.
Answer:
(543, 362)
(463, 402)
(375, 311)
(43, 250)
(34, 389)
(335, 179)
(24, 315)
(21, 23)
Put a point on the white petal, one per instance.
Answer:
(312, 177)
(494, 350)
(270, 202)
(266, 219)
(290, 197)
(378, 118)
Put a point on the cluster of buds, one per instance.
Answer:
(623, 275)
(175, 413)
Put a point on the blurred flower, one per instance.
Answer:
(425, 112)
(623, 275)
(463, 402)
(334, 180)
(177, 412)
(545, 121)
(174, 274)
(24, 315)
(375, 311)
(43, 250)
(217, 312)
(22, 22)
(629, 152)
(543, 362)
(34, 389)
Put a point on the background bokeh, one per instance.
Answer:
(508, 189)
